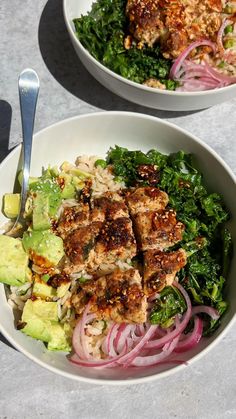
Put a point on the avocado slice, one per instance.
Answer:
(11, 204)
(42, 290)
(50, 189)
(68, 189)
(14, 261)
(42, 323)
(60, 337)
(31, 178)
(43, 247)
(41, 220)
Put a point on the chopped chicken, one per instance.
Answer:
(146, 199)
(157, 229)
(79, 244)
(98, 236)
(160, 269)
(116, 241)
(117, 296)
(78, 216)
(112, 208)
(109, 206)
(173, 24)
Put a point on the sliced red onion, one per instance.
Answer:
(79, 337)
(128, 358)
(193, 338)
(121, 332)
(158, 343)
(85, 320)
(220, 34)
(111, 338)
(197, 77)
(143, 361)
(123, 340)
(212, 312)
(140, 329)
(76, 341)
(179, 61)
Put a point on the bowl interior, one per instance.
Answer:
(94, 134)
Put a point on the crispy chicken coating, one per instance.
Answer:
(79, 243)
(173, 24)
(116, 241)
(117, 296)
(160, 269)
(157, 229)
(112, 209)
(146, 199)
(97, 236)
(78, 216)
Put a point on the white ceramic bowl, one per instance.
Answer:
(94, 134)
(143, 95)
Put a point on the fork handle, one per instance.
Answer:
(28, 92)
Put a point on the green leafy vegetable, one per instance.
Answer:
(102, 32)
(170, 303)
(227, 250)
(207, 243)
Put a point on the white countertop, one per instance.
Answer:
(33, 34)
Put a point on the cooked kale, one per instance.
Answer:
(207, 242)
(102, 32)
(170, 303)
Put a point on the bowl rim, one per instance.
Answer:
(156, 376)
(131, 83)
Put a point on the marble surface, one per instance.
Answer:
(33, 34)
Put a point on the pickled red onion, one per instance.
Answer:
(192, 340)
(219, 39)
(198, 77)
(212, 312)
(133, 345)
(179, 61)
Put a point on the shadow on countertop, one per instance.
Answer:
(5, 127)
(5, 341)
(63, 63)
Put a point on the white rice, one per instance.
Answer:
(102, 179)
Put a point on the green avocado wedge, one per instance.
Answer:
(13, 262)
(41, 322)
(45, 245)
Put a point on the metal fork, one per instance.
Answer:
(28, 84)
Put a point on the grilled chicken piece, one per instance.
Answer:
(117, 296)
(146, 199)
(98, 245)
(160, 269)
(109, 206)
(173, 24)
(112, 208)
(79, 244)
(98, 236)
(116, 241)
(78, 216)
(157, 229)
